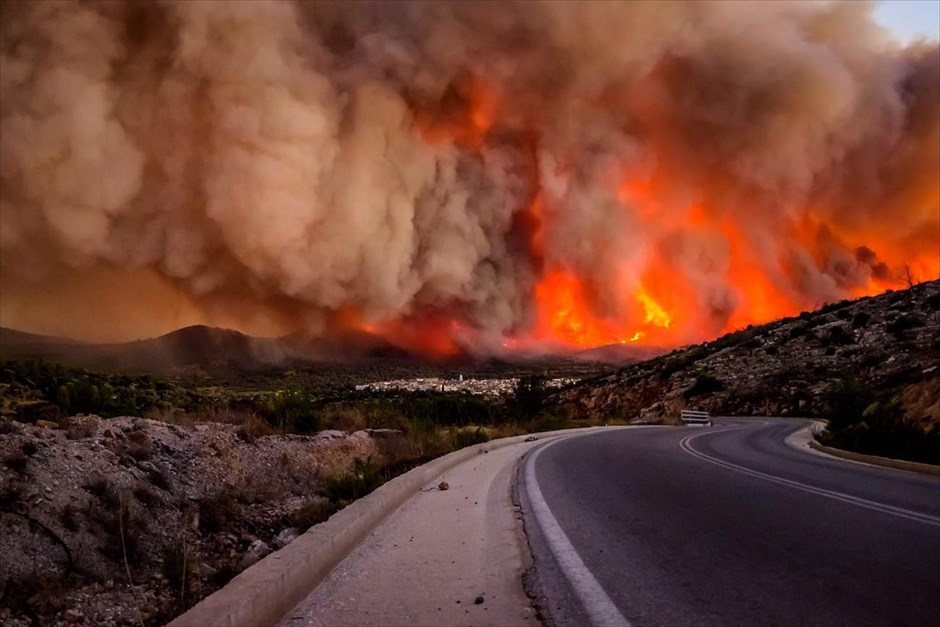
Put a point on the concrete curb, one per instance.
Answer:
(267, 591)
(887, 462)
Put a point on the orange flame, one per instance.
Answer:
(654, 313)
(699, 271)
(567, 314)
(434, 335)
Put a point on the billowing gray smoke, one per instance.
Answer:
(267, 165)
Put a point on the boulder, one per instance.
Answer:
(286, 537)
(253, 555)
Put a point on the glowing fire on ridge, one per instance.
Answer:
(566, 314)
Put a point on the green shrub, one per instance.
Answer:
(846, 401)
(8, 426)
(105, 491)
(79, 431)
(839, 336)
(736, 338)
(704, 384)
(465, 438)
(752, 343)
(344, 488)
(251, 427)
(883, 429)
(342, 417)
(902, 323)
(177, 567)
(312, 513)
(158, 477)
(140, 449)
(291, 410)
(124, 530)
(528, 395)
(547, 422)
(860, 320)
(427, 439)
(831, 307)
(17, 462)
(145, 495)
(797, 330)
(217, 512)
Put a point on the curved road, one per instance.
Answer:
(726, 525)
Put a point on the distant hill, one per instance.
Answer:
(195, 346)
(888, 346)
(212, 350)
(12, 337)
(18, 344)
(619, 354)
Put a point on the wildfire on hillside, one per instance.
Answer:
(467, 178)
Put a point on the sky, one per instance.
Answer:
(910, 19)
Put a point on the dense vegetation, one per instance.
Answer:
(863, 420)
(38, 389)
(34, 390)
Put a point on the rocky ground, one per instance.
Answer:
(130, 521)
(890, 343)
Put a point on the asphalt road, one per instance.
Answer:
(726, 525)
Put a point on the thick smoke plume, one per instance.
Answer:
(485, 173)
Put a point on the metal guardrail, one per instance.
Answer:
(691, 417)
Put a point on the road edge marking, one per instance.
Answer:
(596, 603)
(900, 512)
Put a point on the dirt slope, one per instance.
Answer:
(97, 518)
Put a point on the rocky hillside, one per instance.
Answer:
(889, 344)
(127, 521)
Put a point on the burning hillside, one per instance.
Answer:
(459, 177)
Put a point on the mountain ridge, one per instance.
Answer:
(886, 348)
(201, 346)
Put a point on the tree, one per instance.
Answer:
(847, 401)
(63, 399)
(528, 395)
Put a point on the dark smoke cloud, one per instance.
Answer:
(272, 163)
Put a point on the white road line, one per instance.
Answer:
(600, 609)
(685, 445)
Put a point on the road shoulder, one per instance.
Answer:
(447, 557)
